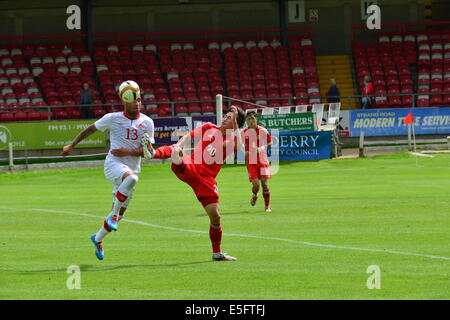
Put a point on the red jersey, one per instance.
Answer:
(212, 148)
(254, 138)
(368, 90)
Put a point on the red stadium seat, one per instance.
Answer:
(381, 102)
(406, 80)
(380, 90)
(259, 85)
(423, 101)
(181, 108)
(436, 100)
(247, 95)
(6, 117)
(446, 100)
(246, 85)
(98, 113)
(394, 101)
(274, 103)
(406, 101)
(285, 84)
(207, 108)
(232, 85)
(61, 115)
(20, 116)
(73, 113)
(245, 75)
(34, 116)
(194, 108)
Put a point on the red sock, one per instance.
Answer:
(215, 234)
(266, 195)
(163, 152)
(105, 225)
(121, 197)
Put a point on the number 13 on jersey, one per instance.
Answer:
(132, 134)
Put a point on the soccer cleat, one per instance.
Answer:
(267, 209)
(222, 256)
(253, 200)
(99, 253)
(149, 152)
(113, 222)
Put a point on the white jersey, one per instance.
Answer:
(125, 132)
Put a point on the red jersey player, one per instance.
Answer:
(257, 139)
(199, 170)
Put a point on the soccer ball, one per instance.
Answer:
(129, 91)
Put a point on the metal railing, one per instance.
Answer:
(350, 98)
(291, 101)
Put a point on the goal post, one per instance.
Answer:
(10, 156)
(219, 109)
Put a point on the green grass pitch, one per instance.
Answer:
(331, 220)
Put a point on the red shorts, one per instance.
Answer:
(256, 171)
(205, 187)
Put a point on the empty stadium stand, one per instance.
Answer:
(402, 63)
(36, 76)
(187, 72)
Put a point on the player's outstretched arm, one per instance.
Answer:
(81, 136)
(124, 152)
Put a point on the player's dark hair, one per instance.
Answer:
(251, 114)
(240, 117)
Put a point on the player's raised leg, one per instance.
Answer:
(147, 147)
(97, 238)
(266, 194)
(99, 253)
(163, 152)
(124, 192)
(105, 229)
(121, 200)
(215, 233)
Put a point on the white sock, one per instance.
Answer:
(101, 234)
(116, 207)
(120, 217)
(124, 192)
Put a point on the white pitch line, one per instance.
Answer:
(330, 246)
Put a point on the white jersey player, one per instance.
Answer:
(129, 131)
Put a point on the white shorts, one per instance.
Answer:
(114, 172)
